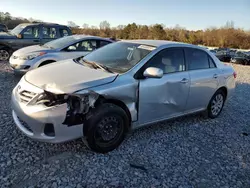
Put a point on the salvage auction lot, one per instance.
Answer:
(190, 152)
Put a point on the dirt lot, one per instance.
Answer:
(187, 152)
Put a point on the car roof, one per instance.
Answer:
(43, 23)
(77, 38)
(82, 36)
(159, 43)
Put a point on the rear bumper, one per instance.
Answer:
(34, 119)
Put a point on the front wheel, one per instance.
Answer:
(106, 128)
(4, 54)
(216, 104)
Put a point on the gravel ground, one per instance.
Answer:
(186, 152)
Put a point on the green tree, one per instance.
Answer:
(157, 32)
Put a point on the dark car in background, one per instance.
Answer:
(3, 28)
(213, 51)
(242, 58)
(27, 34)
(223, 55)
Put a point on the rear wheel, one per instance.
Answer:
(216, 104)
(106, 128)
(4, 54)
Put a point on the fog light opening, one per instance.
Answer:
(49, 130)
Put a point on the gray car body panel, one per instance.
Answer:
(148, 100)
(77, 77)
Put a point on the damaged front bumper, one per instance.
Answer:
(43, 123)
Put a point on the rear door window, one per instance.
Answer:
(197, 59)
(49, 32)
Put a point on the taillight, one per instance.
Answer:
(235, 74)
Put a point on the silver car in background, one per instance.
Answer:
(68, 47)
(122, 86)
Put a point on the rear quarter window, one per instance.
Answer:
(104, 43)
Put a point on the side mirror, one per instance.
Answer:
(71, 48)
(152, 72)
(19, 36)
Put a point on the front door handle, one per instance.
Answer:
(184, 80)
(215, 76)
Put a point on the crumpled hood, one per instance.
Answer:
(31, 49)
(68, 77)
(4, 35)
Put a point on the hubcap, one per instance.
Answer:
(108, 130)
(4, 55)
(217, 104)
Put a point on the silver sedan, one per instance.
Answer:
(122, 86)
(69, 47)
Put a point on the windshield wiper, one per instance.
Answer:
(103, 67)
(97, 65)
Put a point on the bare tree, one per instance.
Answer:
(72, 24)
(104, 25)
(85, 26)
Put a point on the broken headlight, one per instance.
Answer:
(78, 106)
(50, 99)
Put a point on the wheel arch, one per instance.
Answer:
(121, 105)
(3, 45)
(116, 102)
(224, 89)
(45, 62)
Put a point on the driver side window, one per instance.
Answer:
(84, 46)
(169, 60)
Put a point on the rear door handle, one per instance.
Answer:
(215, 76)
(184, 80)
(36, 40)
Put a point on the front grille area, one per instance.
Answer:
(25, 125)
(26, 96)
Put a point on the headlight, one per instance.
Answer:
(50, 99)
(32, 56)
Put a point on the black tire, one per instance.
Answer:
(5, 53)
(95, 125)
(210, 108)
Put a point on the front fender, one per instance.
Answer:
(2, 45)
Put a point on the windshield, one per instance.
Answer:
(61, 42)
(119, 56)
(17, 30)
